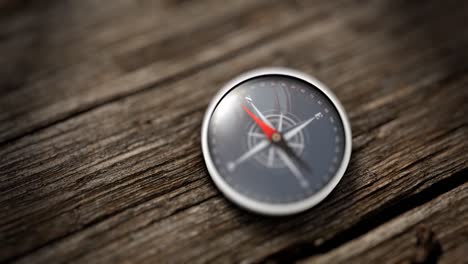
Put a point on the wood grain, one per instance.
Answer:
(396, 241)
(124, 180)
(118, 59)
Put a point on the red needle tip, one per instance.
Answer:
(266, 129)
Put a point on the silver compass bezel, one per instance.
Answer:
(263, 207)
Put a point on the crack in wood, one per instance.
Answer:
(426, 250)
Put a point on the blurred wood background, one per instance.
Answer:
(101, 105)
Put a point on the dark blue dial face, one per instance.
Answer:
(276, 139)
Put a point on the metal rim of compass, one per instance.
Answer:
(263, 207)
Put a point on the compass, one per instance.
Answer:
(276, 141)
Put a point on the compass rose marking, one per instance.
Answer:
(257, 135)
(268, 130)
(280, 123)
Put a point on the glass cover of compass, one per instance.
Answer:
(276, 141)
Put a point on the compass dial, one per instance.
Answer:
(276, 141)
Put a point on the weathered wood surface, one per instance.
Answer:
(86, 66)
(399, 239)
(101, 159)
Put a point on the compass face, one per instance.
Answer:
(276, 141)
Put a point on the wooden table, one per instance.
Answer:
(101, 107)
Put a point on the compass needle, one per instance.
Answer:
(257, 148)
(259, 114)
(267, 129)
(294, 169)
(276, 141)
(291, 133)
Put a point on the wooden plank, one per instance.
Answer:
(78, 31)
(130, 58)
(127, 181)
(397, 241)
(88, 49)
